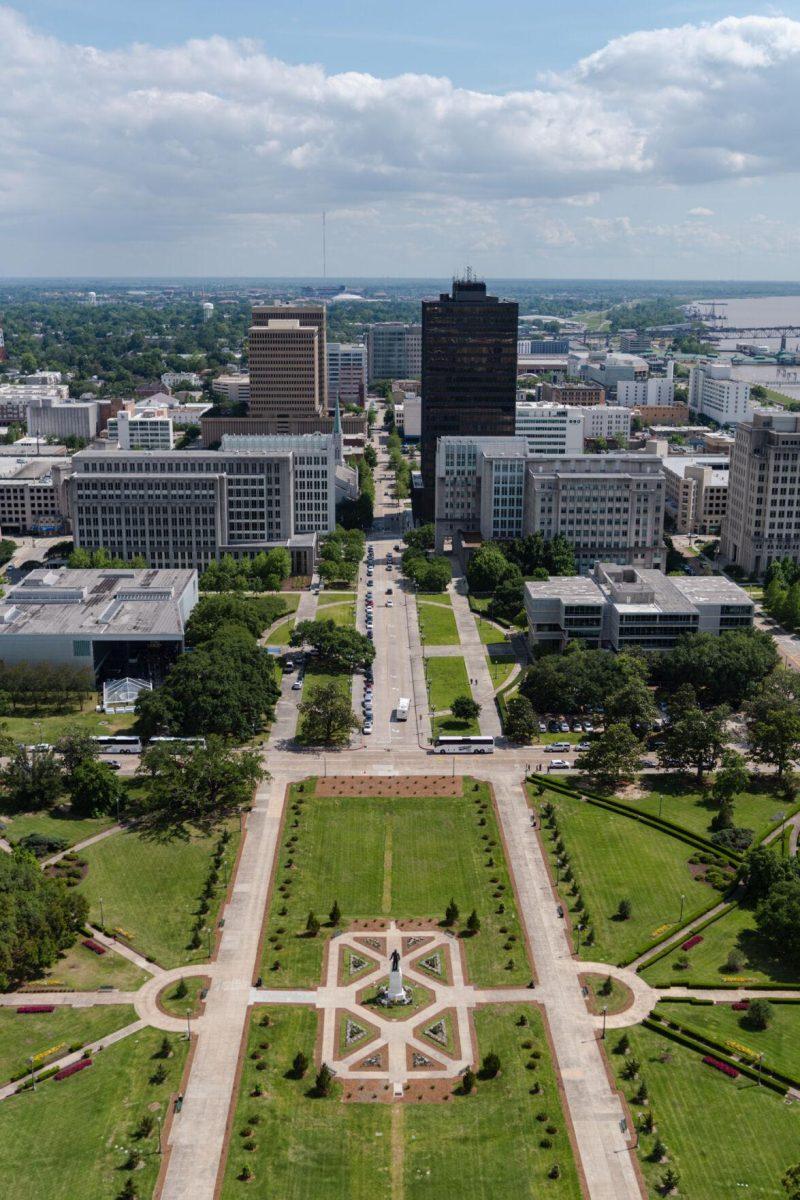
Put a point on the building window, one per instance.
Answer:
(81, 649)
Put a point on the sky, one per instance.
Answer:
(527, 139)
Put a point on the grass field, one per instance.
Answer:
(177, 1004)
(31, 729)
(735, 930)
(615, 858)
(489, 632)
(152, 891)
(73, 830)
(437, 625)
(725, 1137)
(448, 679)
(479, 1147)
(290, 599)
(779, 1043)
(451, 727)
(615, 1001)
(680, 801)
(399, 858)
(89, 1121)
(81, 970)
(326, 599)
(28, 1034)
(341, 614)
(281, 633)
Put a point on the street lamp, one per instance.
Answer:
(102, 917)
(188, 1024)
(605, 1010)
(208, 938)
(680, 919)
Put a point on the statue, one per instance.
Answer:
(396, 993)
(395, 957)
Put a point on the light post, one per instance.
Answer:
(102, 917)
(680, 918)
(660, 802)
(605, 1010)
(208, 939)
(188, 1025)
(158, 1118)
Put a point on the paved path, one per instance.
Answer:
(284, 726)
(793, 825)
(101, 1044)
(681, 934)
(475, 657)
(125, 951)
(90, 841)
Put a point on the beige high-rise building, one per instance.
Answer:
(288, 361)
(762, 522)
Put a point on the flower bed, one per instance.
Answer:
(740, 1005)
(731, 1072)
(692, 941)
(65, 1072)
(36, 1008)
(95, 947)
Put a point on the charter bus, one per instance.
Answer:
(464, 745)
(118, 745)
(187, 741)
(403, 705)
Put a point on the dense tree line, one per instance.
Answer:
(722, 670)
(429, 572)
(499, 569)
(340, 555)
(773, 887)
(39, 917)
(214, 613)
(337, 648)
(262, 572)
(43, 684)
(83, 560)
(359, 513)
(43, 779)
(782, 592)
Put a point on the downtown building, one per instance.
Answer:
(561, 429)
(609, 507)
(186, 508)
(762, 521)
(394, 351)
(714, 393)
(469, 374)
(347, 373)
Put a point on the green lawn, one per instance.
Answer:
(340, 614)
(679, 800)
(489, 632)
(89, 1121)
(615, 858)
(281, 633)
(735, 930)
(71, 829)
(614, 1001)
(290, 599)
(725, 1137)
(479, 1147)
(451, 727)
(81, 970)
(30, 729)
(779, 1043)
(174, 1003)
(401, 858)
(328, 598)
(152, 891)
(448, 679)
(437, 625)
(29, 1034)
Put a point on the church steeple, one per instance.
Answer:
(338, 437)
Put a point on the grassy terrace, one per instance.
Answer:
(19, 825)
(437, 625)
(281, 632)
(679, 800)
(725, 1137)
(152, 891)
(736, 930)
(80, 970)
(341, 614)
(615, 858)
(382, 858)
(448, 679)
(26, 1035)
(30, 728)
(477, 1147)
(779, 1043)
(89, 1121)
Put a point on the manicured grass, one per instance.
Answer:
(280, 634)
(29, 1034)
(290, 599)
(305, 1147)
(614, 1001)
(500, 670)
(779, 1043)
(437, 625)
(615, 858)
(31, 729)
(89, 1121)
(152, 891)
(486, 1145)
(81, 970)
(176, 1004)
(71, 829)
(479, 603)
(326, 599)
(340, 614)
(725, 1137)
(682, 802)
(448, 679)
(489, 632)
(384, 858)
(451, 727)
(735, 930)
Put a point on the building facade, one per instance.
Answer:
(347, 373)
(542, 347)
(142, 429)
(79, 419)
(469, 373)
(697, 492)
(30, 495)
(576, 395)
(715, 394)
(394, 351)
(762, 522)
(549, 428)
(644, 393)
(608, 421)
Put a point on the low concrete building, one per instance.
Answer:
(618, 607)
(77, 418)
(115, 621)
(572, 393)
(142, 429)
(697, 491)
(30, 494)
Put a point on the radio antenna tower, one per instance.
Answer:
(324, 249)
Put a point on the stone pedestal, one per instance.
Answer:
(396, 993)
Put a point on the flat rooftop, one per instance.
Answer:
(25, 468)
(676, 464)
(109, 605)
(713, 589)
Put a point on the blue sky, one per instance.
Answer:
(578, 139)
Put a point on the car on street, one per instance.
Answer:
(367, 727)
(648, 763)
(390, 591)
(287, 665)
(114, 765)
(297, 686)
(559, 764)
(390, 603)
(583, 745)
(558, 747)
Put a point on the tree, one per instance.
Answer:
(430, 575)
(371, 456)
(32, 779)
(473, 922)
(773, 720)
(215, 612)
(189, 789)
(129, 1191)
(764, 869)
(327, 716)
(695, 740)
(76, 748)
(464, 708)
(335, 915)
(624, 910)
(487, 568)
(669, 1181)
(731, 778)
(467, 1082)
(723, 670)
(759, 1014)
(521, 721)
(312, 925)
(94, 788)
(451, 913)
(778, 919)
(421, 538)
(734, 962)
(613, 757)
(338, 649)
(632, 703)
(324, 1082)
(791, 1182)
(299, 1065)
(39, 917)
(490, 1066)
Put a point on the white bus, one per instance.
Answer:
(181, 741)
(118, 745)
(464, 745)
(403, 705)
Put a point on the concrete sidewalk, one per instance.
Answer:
(475, 658)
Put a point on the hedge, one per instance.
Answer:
(722, 1050)
(726, 908)
(701, 1045)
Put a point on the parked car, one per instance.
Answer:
(543, 727)
(367, 727)
(114, 765)
(559, 764)
(583, 745)
(577, 727)
(553, 726)
(588, 727)
(390, 603)
(564, 727)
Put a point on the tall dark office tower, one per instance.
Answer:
(469, 373)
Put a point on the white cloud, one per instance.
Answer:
(701, 212)
(146, 146)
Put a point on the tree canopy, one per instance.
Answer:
(213, 612)
(39, 917)
(722, 670)
(327, 716)
(613, 756)
(337, 649)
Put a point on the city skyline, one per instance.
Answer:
(621, 152)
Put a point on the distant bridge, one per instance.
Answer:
(727, 331)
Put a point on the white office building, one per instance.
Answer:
(715, 394)
(347, 372)
(233, 388)
(549, 428)
(606, 421)
(144, 429)
(645, 393)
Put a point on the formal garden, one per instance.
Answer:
(30, 1041)
(505, 1136)
(391, 857)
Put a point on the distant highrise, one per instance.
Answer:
(308, 315)
(3, 354)
(469, 373)
(762, 520)
(393, 350)
(287, 361)
(207, 310)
